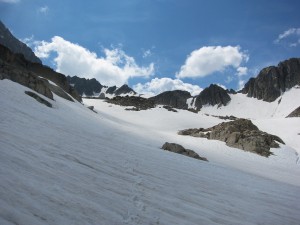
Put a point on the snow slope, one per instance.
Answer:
(69, 165)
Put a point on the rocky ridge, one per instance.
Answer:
(272, 81)
(138, 103)
(34, 75)
(16, 46)
(93, 88)
(84, 86)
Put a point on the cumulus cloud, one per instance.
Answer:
(9, 1)
(209, 59)
(292, 36)
(158, 85)
(114, 68)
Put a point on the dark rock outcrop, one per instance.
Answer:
(85, 86)
(16, 68)
(39, 99)
(272, 81)
(16, 46)
(10, 70)
(179, 149)
(57, 78)
(241, 133)
(176, 99)
(124, 89)
(213, 95)
(224, 117)
(169, 108)
(138, 102)
(295, 113)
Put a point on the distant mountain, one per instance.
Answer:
(272, 81)
(212, 95)
(124, 89)
(93, 88)
(176, 99)
(16, 46)
(84, 86)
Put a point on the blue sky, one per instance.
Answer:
(155, 45)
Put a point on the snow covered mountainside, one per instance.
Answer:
(70, 165)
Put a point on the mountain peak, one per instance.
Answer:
(16, 46)
(273, 80)
(212, 95)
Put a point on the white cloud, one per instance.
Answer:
(241, 71)
(10, 1)
(209, 59)
(293, 36)
(158, 85)
(43, 10)
(114, 68)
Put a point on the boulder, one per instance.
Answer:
(102, 96)
(179, 149)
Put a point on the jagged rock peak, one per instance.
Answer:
(124, 89)
(212, 95)
(16, 46)
(85, 86)
(272, 81)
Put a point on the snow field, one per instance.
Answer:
(69, 165)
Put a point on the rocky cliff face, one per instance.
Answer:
(175, 99)
(213, 95)
(16, 46)
(272, 81)
(16, 68)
